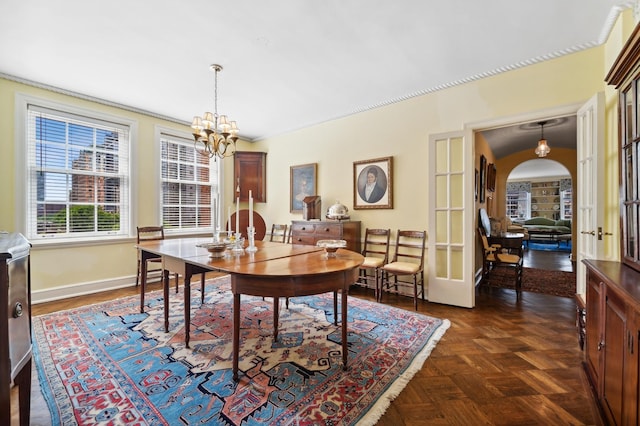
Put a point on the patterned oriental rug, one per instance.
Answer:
(109, 364)
(555, 283)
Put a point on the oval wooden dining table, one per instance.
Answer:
(274, 270)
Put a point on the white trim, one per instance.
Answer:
(526, 117)
(22, 101)
(81, 289)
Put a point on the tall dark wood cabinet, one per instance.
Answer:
(611, 347)
(311, 231)
(612, 360)
(250, 174)
(15, 325)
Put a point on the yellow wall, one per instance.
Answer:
(399, 130)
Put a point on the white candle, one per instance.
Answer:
(218, 212)
(237, 214)
(229, 220)
(215, 215)
(250, 210)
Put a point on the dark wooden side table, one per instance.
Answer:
(512, 241)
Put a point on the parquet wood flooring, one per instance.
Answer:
(500, 363)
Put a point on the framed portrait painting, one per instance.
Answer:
(372, 184)
(303, 182)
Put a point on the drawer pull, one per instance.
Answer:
(17, 310)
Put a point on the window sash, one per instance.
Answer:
(78, 175)
(189, 191)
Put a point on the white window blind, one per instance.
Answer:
(189, 187)
(78, 175)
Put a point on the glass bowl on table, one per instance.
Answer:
(331, 246)
(216, 249)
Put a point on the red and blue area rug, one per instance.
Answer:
(110, 364)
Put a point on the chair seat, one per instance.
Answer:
(508, 258)
(402, 267)
(372, 262)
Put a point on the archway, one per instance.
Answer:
(540, 195)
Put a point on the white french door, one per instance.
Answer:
(451, 229)
(590, 186)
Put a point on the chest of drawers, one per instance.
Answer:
(309, 232)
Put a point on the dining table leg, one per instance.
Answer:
(165, 295)
(143, 277)
(345, 353)
(187, 306)
(276, 316)
(236, 334)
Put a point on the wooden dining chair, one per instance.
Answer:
(494, 257)
(278, 233)
(150, 233)
(406, 269)
(376, 254)
(155, 233)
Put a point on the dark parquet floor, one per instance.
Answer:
(504, 362)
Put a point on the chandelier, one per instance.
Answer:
(215, 136)
(542, 149)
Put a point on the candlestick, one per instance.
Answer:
(237, 215)
(250, 210)
(229, 221)
(215, 215)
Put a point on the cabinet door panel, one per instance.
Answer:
(632, 370)
(614, 357)
(250, 175)
(593, 353)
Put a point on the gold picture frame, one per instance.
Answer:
(378, 172)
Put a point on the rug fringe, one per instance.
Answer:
(382, 404)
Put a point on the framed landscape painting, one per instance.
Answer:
(303, 182)
(373, 184)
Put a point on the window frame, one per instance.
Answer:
(215, 183)
(23, 171)
(520, 197)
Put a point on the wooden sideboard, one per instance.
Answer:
(310, 231)
(612, 356)
(15, 325)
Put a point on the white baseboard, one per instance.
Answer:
(81, 289)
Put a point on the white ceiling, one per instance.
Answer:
(287, 64)
(537, 169)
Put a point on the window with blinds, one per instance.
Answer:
(189, 196)
(78, 175)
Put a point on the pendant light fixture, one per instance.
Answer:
(215, 135)
(542, 149)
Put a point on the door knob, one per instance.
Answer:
(588, 232)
